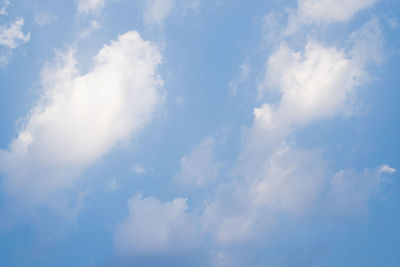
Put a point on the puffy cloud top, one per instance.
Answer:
(80, 117)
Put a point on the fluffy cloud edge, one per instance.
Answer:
(79, 118)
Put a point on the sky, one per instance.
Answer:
(199, 133)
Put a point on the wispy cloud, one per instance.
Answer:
(4, 6)
(43, 19)
(90, 6)
(12, 36)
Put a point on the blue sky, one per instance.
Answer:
(199, 133)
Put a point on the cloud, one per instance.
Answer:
(139, 169)
(199, 167)
(274, 185)
(294, 184)
(157, 11)
(154, 227)
(350, 191)
(318, 83)
(235, 83)
(10, 38)
(4, 6)
(13, 36)
(325, 12)
(78, 118)
(90, 6)
(331, 10)
(113, 185)
(277, 180)
(94, 25)
(289, 182)
(43, 19)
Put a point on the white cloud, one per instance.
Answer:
(155, 227)
(289, 182)
(199, 167)
(332, 10)
(157, 11)
(278, 180)
(325, 12)
(43, 19)
(80, 117)
(90, 6)
(315, 84)
(386, 169)
(3, 7)
(295, 184)
(13, 36)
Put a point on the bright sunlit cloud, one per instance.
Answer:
(199, 133)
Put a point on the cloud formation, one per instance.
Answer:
(78, 118)
(4, 6)
(157, 11)
(318, 83)
(155, 227)
(13, 36)
(295, 184)
(90, 6)
(199, 167)
(315, 12)
(275, 180)
(43, 19)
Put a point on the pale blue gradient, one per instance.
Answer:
(202, 52)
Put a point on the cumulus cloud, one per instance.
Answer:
(80, 117)
(318, 83)
(90, 6)
(325, 12)
(13, 36)
(275, 181)
(279, 180)
(155, 227)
